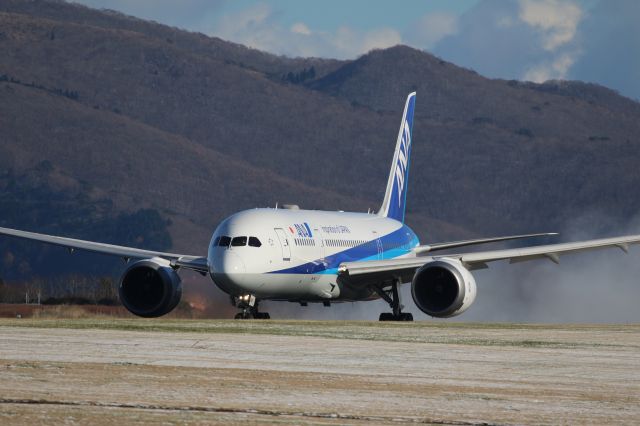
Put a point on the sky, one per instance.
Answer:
(536, 40)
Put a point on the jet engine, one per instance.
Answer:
(150, 288)
(443, 288)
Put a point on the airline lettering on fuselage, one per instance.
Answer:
(403, 158)
(338, 229)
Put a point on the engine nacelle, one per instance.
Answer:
(443, 288)
(150, 288)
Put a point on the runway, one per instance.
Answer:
(102, 371)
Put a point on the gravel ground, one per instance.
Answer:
(224, 372)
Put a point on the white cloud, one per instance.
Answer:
(534, 40)
(258, 27)
(557, 20)
(556, 23)
(558, 68)
(300, 28)
(429, 29)
(352, 43)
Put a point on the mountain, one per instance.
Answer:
(491, 154)
(140, 116)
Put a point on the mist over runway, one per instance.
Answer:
(311, 372)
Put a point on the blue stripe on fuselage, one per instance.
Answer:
(395, 244)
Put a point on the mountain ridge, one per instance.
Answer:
(222, 128)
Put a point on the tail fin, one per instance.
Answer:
(396, 195)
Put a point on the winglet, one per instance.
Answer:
(395, 196)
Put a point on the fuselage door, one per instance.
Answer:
(284, 243)
(319, 243)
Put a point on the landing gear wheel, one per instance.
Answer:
(406, 316)
(386, 316)
(248, 306)
(392, 297)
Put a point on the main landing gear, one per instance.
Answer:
(392, 297)
(248, 305)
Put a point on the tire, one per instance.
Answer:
(408, 316)
(386, 316)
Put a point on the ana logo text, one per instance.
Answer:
(302, 230)
(403, 158)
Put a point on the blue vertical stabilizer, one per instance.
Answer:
(396, 195)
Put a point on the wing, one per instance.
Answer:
(195, 263)
(443, 246)
(404, 268)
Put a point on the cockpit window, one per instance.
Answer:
(239, 241)
(216, 241)
(224, 241)
(254, 242)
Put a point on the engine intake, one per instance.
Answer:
(443, 288)
(150, 288)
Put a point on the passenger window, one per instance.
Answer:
(239, 242)
(224, 241)
(254, 242)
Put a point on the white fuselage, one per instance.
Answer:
(294, 255)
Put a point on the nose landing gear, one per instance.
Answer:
(248, 305)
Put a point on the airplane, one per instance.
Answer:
(308, 256)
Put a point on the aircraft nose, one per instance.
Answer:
(228, 270)
(232, 264)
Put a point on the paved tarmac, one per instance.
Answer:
(288, 372)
